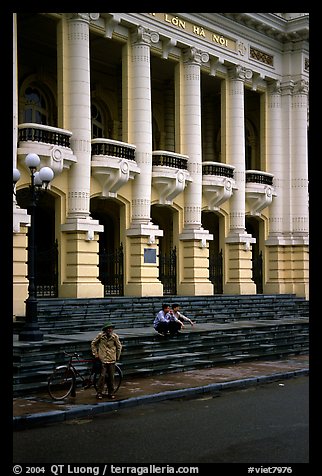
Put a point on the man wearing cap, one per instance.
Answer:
(107, 348)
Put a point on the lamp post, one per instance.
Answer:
(38, 183)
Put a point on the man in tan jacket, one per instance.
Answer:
(106, 346)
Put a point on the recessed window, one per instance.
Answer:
(35, 106)
(97, 122)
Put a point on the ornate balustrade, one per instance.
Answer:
(259, 191)
(52, 144)
(113, 164)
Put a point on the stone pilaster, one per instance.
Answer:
(299, 170)
(299, 189)
(287, 243)
(274, 148)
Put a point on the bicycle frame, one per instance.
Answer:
(74, 360)
(63, 380)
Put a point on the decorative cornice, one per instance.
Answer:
(273, 26)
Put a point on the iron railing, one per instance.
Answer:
(216, 271)
(168, 272)
(111, 271)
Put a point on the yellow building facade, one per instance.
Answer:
(179, 149)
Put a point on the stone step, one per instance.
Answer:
(163, 357)
(231, 329)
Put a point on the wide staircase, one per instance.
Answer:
(227, 329)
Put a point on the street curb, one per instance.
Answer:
(85, 410)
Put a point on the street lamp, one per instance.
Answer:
(38, 183)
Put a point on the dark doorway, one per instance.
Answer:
(111, 254)
(46, 256)
(210, 222)
(252, 227)
(163, 217)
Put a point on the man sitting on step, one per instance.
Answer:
(166, 323)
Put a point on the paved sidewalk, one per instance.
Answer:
(39, 409)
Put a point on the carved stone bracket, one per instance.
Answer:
(167, 45)
(274, 87)
(110, 24)
(301, 87)
(195, 56)
(239, 73)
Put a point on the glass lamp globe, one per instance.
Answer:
(32, 161)
(46, 174)
(16, 175)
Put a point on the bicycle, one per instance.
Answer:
(64, 379)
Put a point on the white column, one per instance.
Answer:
(140, 131)
(236, 151)
(238, 279)
(191, 142)
(193, 246)
(75, 81)
(299, 171)
(79, 240)
(142, 276)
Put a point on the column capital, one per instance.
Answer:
(194, 56)
(274, 86)
(301, 87)
(87, 17)
(287, 87)
(239, 73)
(144, 36)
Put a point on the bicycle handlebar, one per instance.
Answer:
(78, 356)
(71, 354)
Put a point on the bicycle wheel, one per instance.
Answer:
(61, 382)
(118, 377)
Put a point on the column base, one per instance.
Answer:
(80, 266)
(194, 270)
(143, 289)
(239, 273)
(288, 270)
(81, 290)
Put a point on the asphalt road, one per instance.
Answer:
(268, 424)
